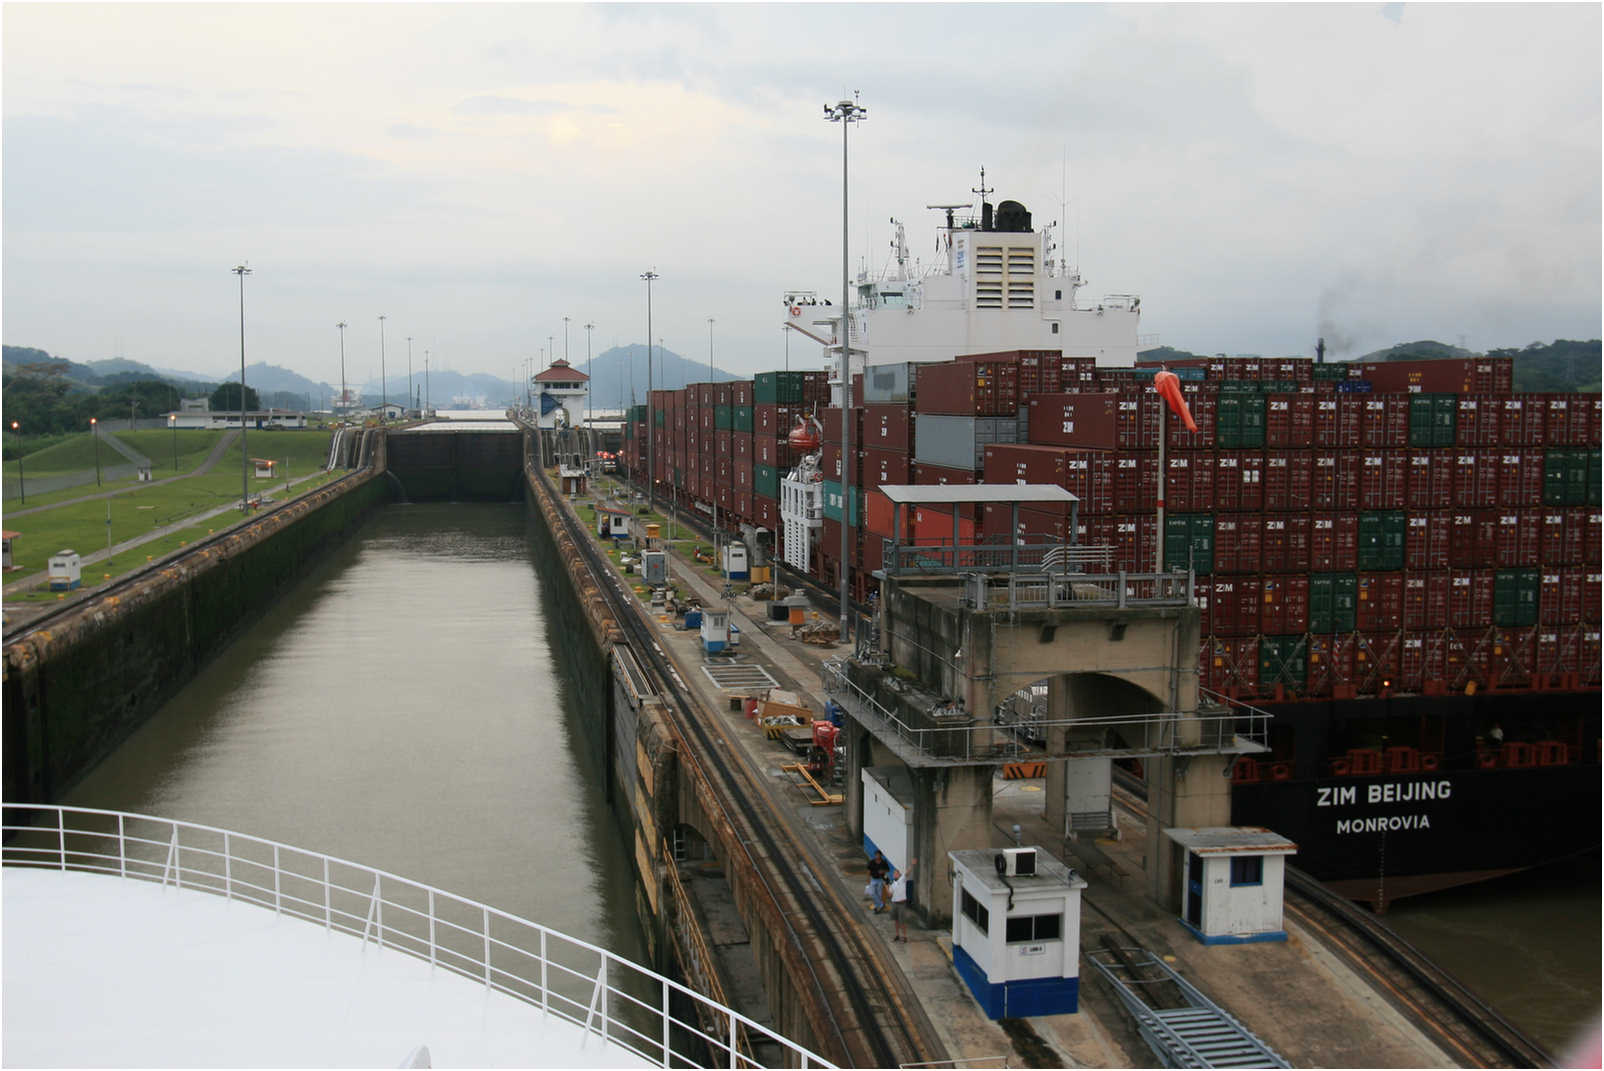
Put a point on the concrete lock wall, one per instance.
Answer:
(75, 690)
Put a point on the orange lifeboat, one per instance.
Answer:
(804, 437)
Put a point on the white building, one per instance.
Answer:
(1016, 931)
(1232, 883)
(560, 394)
(198, 413)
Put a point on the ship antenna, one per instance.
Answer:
(983, 191)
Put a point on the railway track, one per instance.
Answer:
(1465, 1027)
(870, 1020)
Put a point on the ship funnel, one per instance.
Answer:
(1012, 216)
(985, 215)
(1320, 352)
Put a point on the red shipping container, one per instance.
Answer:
(1465, 479)
(1334, 480)
(774, 421)
(831, 419)
(1411, 663)
(1593, 524)
(1034, 526)
(1236, 542)
(1202, 401)
(1333, 542)
(1559, 596)
(1595, 421)
(741, 392)
(1136, 418)
(1551, 539)
(1517, 539)
(1382, 479)
(1136, 481)
(741, 476)
(1592, 589)
(1134, 539)
(1470, 598)
(1336, 421)
(1380, 602)
(1516, 427)
(968, 388)
(1330, 663)
(1429, 479)
(1189, 482)
(741, 446)
(1083, 420)
(766, 512)
(878, 514)
(932, 526)
(1223, 606)
(885, 466)
(1425, 599)
(1428, 540)
(1289, 421)
(1285, 609)
(1238, 480)
(1288, 480)
(888, 426)
(1383, 421)
(743, 507)
(936, 475)
(1020, 463)
(1284, 544)
(830, 461)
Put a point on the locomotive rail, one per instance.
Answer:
(851, 984)
(1464, 1026)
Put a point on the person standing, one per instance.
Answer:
(902, 899)
(878, 869)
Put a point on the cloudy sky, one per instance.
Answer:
(1258, 174)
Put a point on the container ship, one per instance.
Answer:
(1399, 560)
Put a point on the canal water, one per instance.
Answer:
(406, 706)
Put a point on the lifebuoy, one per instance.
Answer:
(796, 310)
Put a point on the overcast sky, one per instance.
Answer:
(1258, 174)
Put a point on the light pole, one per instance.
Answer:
(409, 371)
(95, 435)
(384, 394)
(565, 338)
(172, 422)
(846, 113)
(590, 387)
(425, 379)
(244, 455)
(345, 401)
(22, 477)
(650, 489)
(711, 377)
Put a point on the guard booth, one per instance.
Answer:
(5, 549)
(264, 467)
(735, 565)
(142, 473)
(887, 812)
(1232, 883)
(1016, 931)
(612, 523)
(715, 630)
(65, 570)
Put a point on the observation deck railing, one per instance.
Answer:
(954, 737)
(602, 993)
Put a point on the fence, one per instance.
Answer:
(604, 994)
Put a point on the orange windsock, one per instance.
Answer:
(1168, 385)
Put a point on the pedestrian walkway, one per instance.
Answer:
(124, 449)
(202, 469)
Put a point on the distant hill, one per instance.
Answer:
(1558, 366)
(1424, 350)
(270, 382)
(615, 370)
(1161, 354)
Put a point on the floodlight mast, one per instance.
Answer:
(845, 112)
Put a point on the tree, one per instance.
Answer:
(226, 397)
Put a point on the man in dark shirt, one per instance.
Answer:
(878, 869)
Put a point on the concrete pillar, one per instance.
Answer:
(952, 812)
(1184, 791)
(1059, 706)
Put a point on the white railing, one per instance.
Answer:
(656, 1018)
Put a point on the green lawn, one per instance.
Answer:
(81, 526)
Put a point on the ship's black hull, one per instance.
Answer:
(1382, 836)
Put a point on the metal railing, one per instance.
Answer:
(994, 557)
(1223, 726)
(604, 994)
(1034, 591)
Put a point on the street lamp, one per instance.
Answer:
(345, 400)
(384, 394)
(711, 377)
(22, 477)
(244, 455)
(172, 422)
(590, 387)
(409, 371)
(649, 276)
(846, 113)
(95, 435)
(425, 379)
(565, 338)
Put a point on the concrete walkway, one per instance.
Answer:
(202, 469)
(124, 449)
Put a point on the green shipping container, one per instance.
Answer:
(1432, 419)
(1239, 420)
(1284, 660)
(1330, 371)
(832, 502)
(1594, 474)
(1189, 541)
(721, 417)
(1515, 597)
(766, 481)
(743, 418)
(1381, 539)
(1555, 462)
(777, 388)
(1333, 602)
(659, 418)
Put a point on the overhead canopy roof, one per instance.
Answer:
(904, 494)
(1232, 840)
